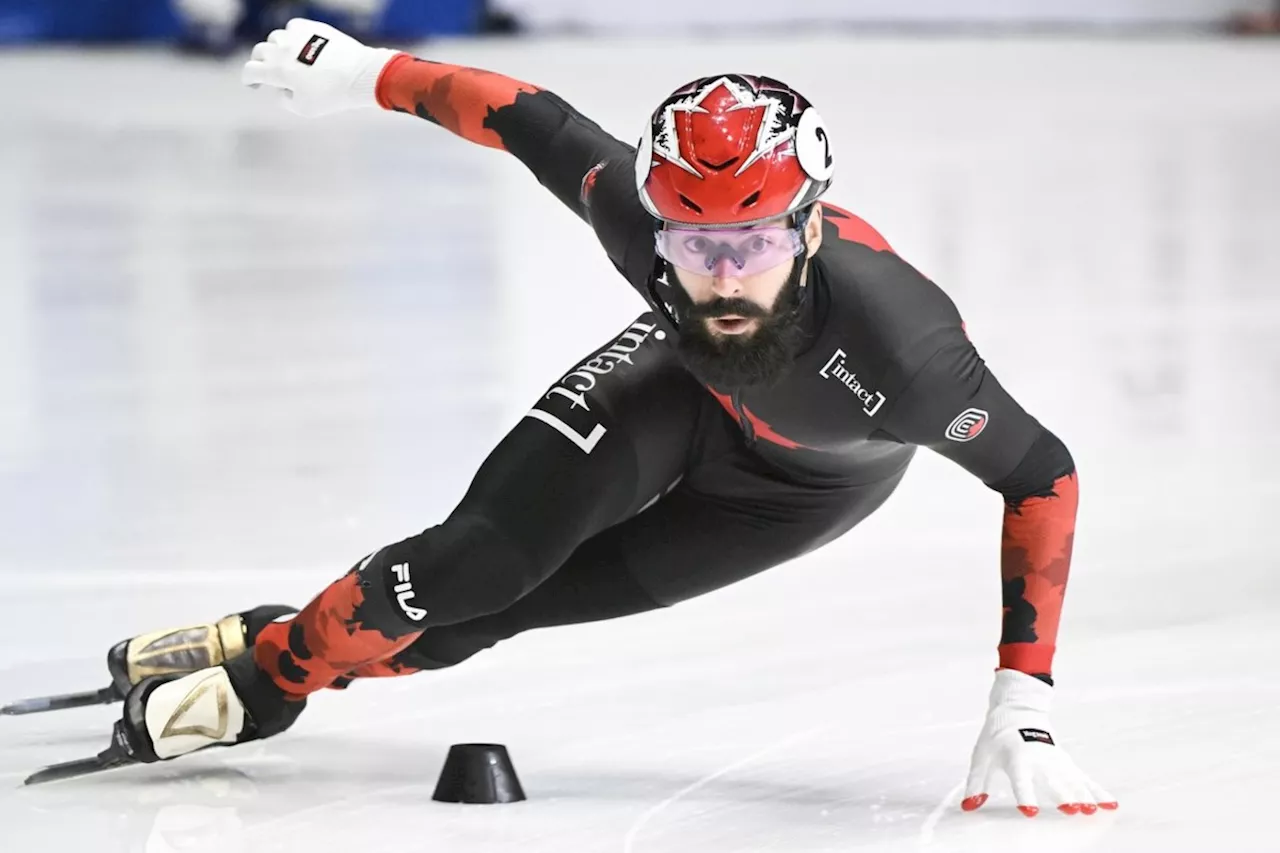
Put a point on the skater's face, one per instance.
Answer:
(734, 278)
(739, 317)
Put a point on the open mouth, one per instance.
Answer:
(731, 324)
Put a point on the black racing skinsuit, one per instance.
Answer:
(630, 485)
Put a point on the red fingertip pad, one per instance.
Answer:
(1088, 808)
(973, 803)
(1029, 811)
(1109, 806)
(1069, 808)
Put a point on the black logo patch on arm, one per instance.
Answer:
(1036, 736)
(968, 425)
(311, 50)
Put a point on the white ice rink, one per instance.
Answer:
(239, 350)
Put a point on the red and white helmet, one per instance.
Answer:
(730, 151)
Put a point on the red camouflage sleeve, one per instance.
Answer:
(955, 406)
(457, 98)
(587, 169)
(563, 148)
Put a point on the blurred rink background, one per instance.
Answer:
(239, 350)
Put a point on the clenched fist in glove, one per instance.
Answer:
(1017, 741)
(319, 69)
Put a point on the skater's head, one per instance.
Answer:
(731, 151)
(731, 167)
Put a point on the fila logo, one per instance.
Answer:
(311, 50)
(968, 425)
(404, 593)
(835, 369)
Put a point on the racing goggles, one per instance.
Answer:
(748, 250)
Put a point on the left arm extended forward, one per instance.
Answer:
(955, 406)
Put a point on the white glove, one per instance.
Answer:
(1017, 741)
(319, 69)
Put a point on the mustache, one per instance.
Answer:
(721, 306)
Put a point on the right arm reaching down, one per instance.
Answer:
(321, 70)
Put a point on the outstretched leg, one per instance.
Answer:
(599, 445)
(731, 517)
(604, 442)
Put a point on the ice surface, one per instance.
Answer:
(239, 350)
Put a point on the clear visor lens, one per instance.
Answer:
(739, 252)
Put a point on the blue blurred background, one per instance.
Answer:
(220, 24)
(27, 21)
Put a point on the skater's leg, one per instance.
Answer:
(731, 518)
(604, 442)
(594, 584)
(611, 436)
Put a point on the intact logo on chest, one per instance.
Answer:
(836, 368)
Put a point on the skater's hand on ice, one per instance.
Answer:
(1017, 741)
(319, 70)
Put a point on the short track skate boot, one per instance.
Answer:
(167, 716)
(180, 651)
(177, 651)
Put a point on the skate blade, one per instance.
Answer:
(115, 755)
(71, 770)
(61, 702)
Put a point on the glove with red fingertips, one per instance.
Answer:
(1017, 740)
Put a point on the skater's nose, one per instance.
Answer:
(724, 279)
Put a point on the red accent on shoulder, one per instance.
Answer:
(855, 229)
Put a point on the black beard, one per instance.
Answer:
(728, 362)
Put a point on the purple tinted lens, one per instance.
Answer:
(743, 251)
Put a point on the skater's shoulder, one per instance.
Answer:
(883, 299)
(859, 267)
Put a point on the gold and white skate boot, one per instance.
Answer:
(176, 651)
(175, 716)
(182, 650)
(167, 716)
